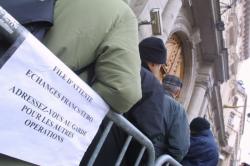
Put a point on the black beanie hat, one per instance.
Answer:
(153, 50)
(199, 124)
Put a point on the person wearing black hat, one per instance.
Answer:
(203, 149)
(153, 54)
(162, 119)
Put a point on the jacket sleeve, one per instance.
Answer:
(178, 135)
(117, 67)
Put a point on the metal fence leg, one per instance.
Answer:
(137, 162)
(124, 124)
(124, 149)
(100, 143)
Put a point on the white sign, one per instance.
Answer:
(48, 115)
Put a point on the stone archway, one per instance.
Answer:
(175, 59)
(181, 62)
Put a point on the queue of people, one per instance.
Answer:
(99, 41)
(161, 118)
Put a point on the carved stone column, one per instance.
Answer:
(203, 84)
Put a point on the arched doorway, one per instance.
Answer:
(175, 58)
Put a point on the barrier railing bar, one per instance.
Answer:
(123, 123)
(166, 159)
(100, 143)
(137, 162)
(124, 149)
(10, 27)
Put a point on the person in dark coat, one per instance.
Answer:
(175, 119)
(176, 141)
(203, 149)
(148, 114)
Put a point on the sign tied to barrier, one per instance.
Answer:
(48, 116)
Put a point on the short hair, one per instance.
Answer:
(199, 124)
(171, 88)
(172, 83)
(172, 80)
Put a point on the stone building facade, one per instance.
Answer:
(194, 33)
(236, 18)
(234, 117)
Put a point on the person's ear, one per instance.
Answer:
(177, 93)
(156, 65)
(150, 64)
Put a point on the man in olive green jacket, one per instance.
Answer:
(102, 33)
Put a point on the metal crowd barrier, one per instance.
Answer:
(11, 29)
(166, 159)
(132, 131)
